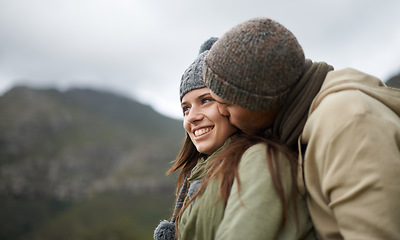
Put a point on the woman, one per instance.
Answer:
(233, 186)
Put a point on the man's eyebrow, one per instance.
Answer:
(223, 103)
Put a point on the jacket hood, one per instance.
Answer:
(352, 79)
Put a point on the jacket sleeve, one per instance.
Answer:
(256, 212)
(352, 167)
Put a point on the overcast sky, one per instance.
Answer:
(140, 48)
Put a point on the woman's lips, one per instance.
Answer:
(202, 131)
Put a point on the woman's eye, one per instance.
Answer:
(208, 99)
(185, 110)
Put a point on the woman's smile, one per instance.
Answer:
(202, 131)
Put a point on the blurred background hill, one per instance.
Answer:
(85, 164)
(394, 81)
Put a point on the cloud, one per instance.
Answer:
(140, 48)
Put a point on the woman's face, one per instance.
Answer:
(206, 127)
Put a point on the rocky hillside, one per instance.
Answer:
(72, 144)
(394, 81)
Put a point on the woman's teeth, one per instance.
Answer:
(201, 131)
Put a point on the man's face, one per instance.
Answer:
(248, 121)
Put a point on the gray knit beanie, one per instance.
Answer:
(255, 64)
(192, 78)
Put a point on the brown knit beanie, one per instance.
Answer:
(255, 64)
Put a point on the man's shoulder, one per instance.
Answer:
(335, 111)
(342, 105)
(350, 74)
(343, 95)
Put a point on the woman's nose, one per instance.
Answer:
(194, 115)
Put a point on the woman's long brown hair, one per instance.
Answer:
(226, 164)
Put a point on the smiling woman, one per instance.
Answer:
(207, 129)
(231, 185)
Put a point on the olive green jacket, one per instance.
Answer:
(254, 213)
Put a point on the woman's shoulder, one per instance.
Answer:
(256, 148)
(257, 155)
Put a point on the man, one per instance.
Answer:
(344, 124)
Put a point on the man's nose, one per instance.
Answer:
(223, 110)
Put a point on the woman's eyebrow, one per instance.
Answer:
(198, 97)
(202, 95)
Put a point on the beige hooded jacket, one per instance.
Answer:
(351, 164)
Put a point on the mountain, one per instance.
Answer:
(83, 164)
(72, 144)
(394, 81)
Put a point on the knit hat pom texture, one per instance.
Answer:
(164, 231)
